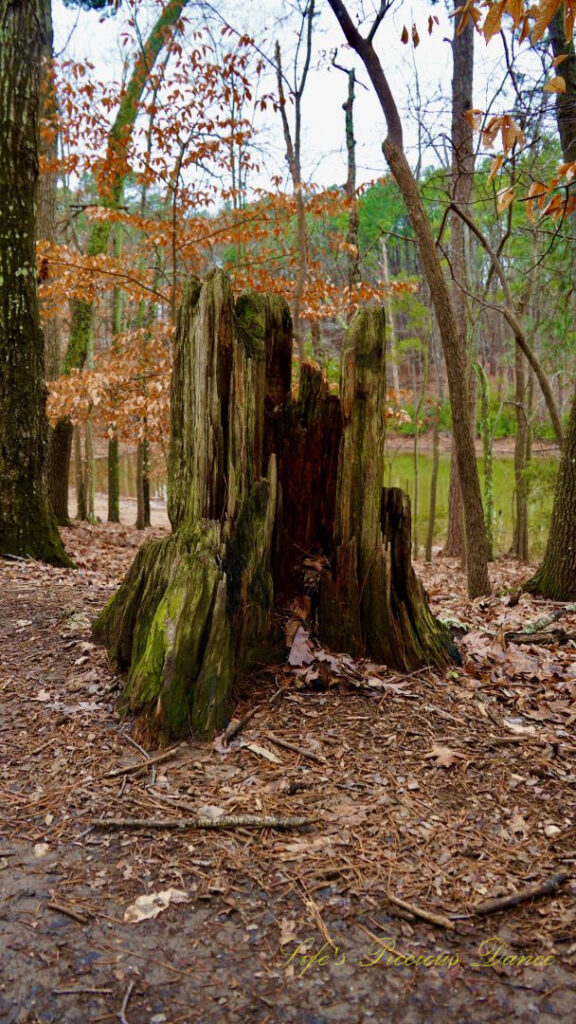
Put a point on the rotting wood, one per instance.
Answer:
(547, 888)
(226, 821)
(257, 482)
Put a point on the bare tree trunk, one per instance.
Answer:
(455, 357)
(521, 450)
(433, 484)
(294, 158)
(81, 495)
(27, 524)
(142, 486)
(556, 577)
(462, 186)
(391, 333)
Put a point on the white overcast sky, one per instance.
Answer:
(85, 35)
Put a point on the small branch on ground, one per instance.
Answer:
(226, 821)
(547, 888)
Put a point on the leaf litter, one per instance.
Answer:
(423, 797)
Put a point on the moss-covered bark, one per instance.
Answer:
(194, 606)
(27, 526)
(370, 602)
(258, 481)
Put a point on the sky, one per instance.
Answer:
(423, 72)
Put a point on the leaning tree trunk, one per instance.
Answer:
(27, 526)
(258, 482)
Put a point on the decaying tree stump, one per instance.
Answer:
(257, 482)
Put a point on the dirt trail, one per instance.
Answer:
(386, 816)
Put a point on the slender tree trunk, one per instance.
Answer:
(58, 469)
(556, 577)
(81, 495)
(462, 186)
(294, 158)
(142, 486)
(113, 447)
(433, 484)
(391, 332)
(521, 448)
(113, 480)
(27, 525)
(352, 235)
(455, 357)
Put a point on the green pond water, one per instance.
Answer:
(399, 472)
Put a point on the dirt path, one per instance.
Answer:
(386, 815)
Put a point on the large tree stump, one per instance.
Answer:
(257, 482)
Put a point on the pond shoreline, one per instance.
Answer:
(502, 447)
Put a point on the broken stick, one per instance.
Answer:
(226, 821)
(425, 915)
(547, 888)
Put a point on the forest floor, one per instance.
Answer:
(444, 790)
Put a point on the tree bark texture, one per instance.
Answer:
(258, 484)
(462, 185)
(521, 455)
(27, 526)
(556, 577)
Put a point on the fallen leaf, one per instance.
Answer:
(152, 904)
(287, 931)
(210, 812)
(444, 757)
(301, 652)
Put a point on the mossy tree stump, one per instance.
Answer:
(258, 481)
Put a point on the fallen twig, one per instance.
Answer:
(122, 1015)
(82, 991)
(136, 769)
(546, 620)
(425, 915)
(237, 724)
(297, 750)
(541, 638)
(226, 821)
(547, 888)
(61, 908)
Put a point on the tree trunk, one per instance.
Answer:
(433, 483)
(257, 484)
(521, 450)
(27, 525)
(81, 493)
(142, 486)
(556, 577)
(455, 358)
(58, 469)
(462, 185)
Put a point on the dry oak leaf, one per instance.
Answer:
(444, 757)
(152, 904)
